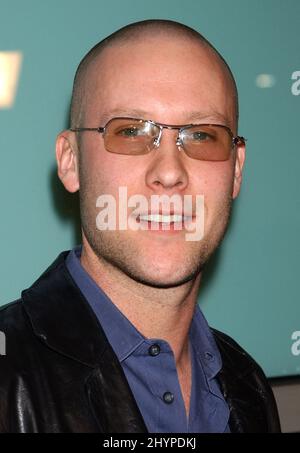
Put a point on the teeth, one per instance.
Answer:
(163, 218)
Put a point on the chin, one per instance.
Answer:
(162, 278)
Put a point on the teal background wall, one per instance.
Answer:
(251, 286)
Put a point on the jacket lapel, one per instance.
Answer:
(111, 399)
(62, 318)
(241, 388)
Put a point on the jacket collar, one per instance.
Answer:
(241, 382)
(62, 318)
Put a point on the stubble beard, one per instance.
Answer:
(114, 250)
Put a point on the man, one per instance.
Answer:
(110, 338)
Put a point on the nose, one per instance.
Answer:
(167, 169)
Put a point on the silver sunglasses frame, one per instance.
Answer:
(179, 142)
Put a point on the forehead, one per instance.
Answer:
(165, 77)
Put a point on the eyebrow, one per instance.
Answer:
(195, 116)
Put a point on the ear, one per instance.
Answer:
(67, 160)
(238, 169)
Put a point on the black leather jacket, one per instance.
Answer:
(60, 374)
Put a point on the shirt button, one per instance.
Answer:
(209, 356)
(154, 350)
(168, 397)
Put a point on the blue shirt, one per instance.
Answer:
(150, 369)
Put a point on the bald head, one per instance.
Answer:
(137, 33)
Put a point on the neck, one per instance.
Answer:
(164, 313)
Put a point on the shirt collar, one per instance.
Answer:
(122, 334)
(204, 345)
